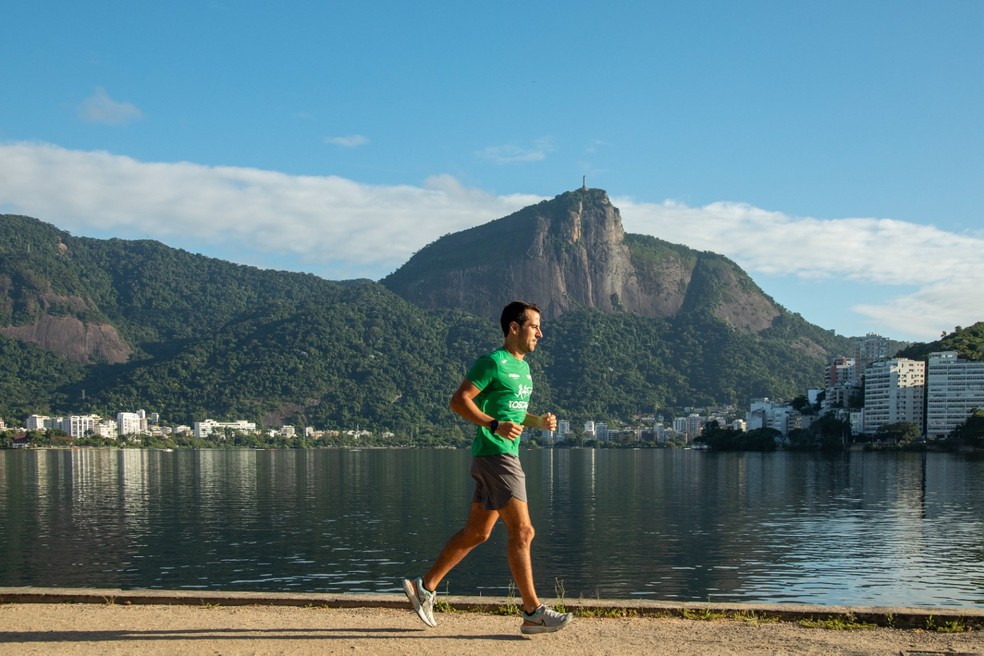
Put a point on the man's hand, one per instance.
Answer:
(548, 421)
(509, 429)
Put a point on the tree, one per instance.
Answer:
(971, 432)
(801, 439)
(729, 439)
(902, 432)
(831, 433)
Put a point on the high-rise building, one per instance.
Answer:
(694, 425)
(954, 389)
(869, 349)
(601, 432)
(842, 371)
(130, 423)
(78, 426)
(893, 393)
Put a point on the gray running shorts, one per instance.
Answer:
(497, 480)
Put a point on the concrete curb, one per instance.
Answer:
(966, 619)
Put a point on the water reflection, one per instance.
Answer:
(878, 529)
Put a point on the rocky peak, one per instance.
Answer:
(565, 254)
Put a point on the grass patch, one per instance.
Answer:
(443, 606)
(606, 613)
(703, 615)
(510, 607)
(560, 592)
(952, 626)
(838, 623)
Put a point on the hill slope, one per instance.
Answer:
(103, 326)
(571, 253)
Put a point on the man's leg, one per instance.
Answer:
(476, 531)
(516, 516)
(536, 617)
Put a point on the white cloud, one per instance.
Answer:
(512, 153)
(946, 269)
(338, 228)
(348, 141)
(100, 108)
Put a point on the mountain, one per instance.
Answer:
(680, 327)
(632, 324)
(192, 337)
(571, 253)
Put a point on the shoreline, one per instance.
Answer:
(896, 617)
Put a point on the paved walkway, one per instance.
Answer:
(82, 622)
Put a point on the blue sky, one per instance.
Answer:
(834, 150)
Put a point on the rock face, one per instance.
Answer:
(572, 253)
(78, 341)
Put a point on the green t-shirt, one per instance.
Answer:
(506, 386)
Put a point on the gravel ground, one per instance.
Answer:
(169, 630)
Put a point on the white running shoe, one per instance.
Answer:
(422, 599)
(544, 620)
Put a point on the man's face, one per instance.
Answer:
(529, 331)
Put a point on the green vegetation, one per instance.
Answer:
(211, 339)
(971, 432)
(838, 623)
(968, 342)
(729, 439)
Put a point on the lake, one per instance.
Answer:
(857, 528)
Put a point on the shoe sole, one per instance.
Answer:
(411, 591)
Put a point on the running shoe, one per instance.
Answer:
(544, 620)
(422, 599)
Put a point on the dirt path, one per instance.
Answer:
(81, 629)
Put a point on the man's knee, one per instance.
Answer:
(477, 530)
(476, 535)
(523, 533)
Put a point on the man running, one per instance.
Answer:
(494, 396)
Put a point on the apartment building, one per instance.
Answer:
(209, 426)
(893, 393)
(955, 388)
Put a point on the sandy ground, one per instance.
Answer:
(109, 628)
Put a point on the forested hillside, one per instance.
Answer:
(968, 342)
(103, 326)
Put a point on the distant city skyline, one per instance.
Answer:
(832, 150)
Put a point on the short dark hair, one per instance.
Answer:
(515, 311)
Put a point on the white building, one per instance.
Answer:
(131, 423)
(39, 423)
(842, 371)
(209, 426)
(106, 428)
(601, 432)
(954, 389)
(79, 425)
(661, 434)
(694, 425)
(869, 349)
(764, 413)
(893, 392)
